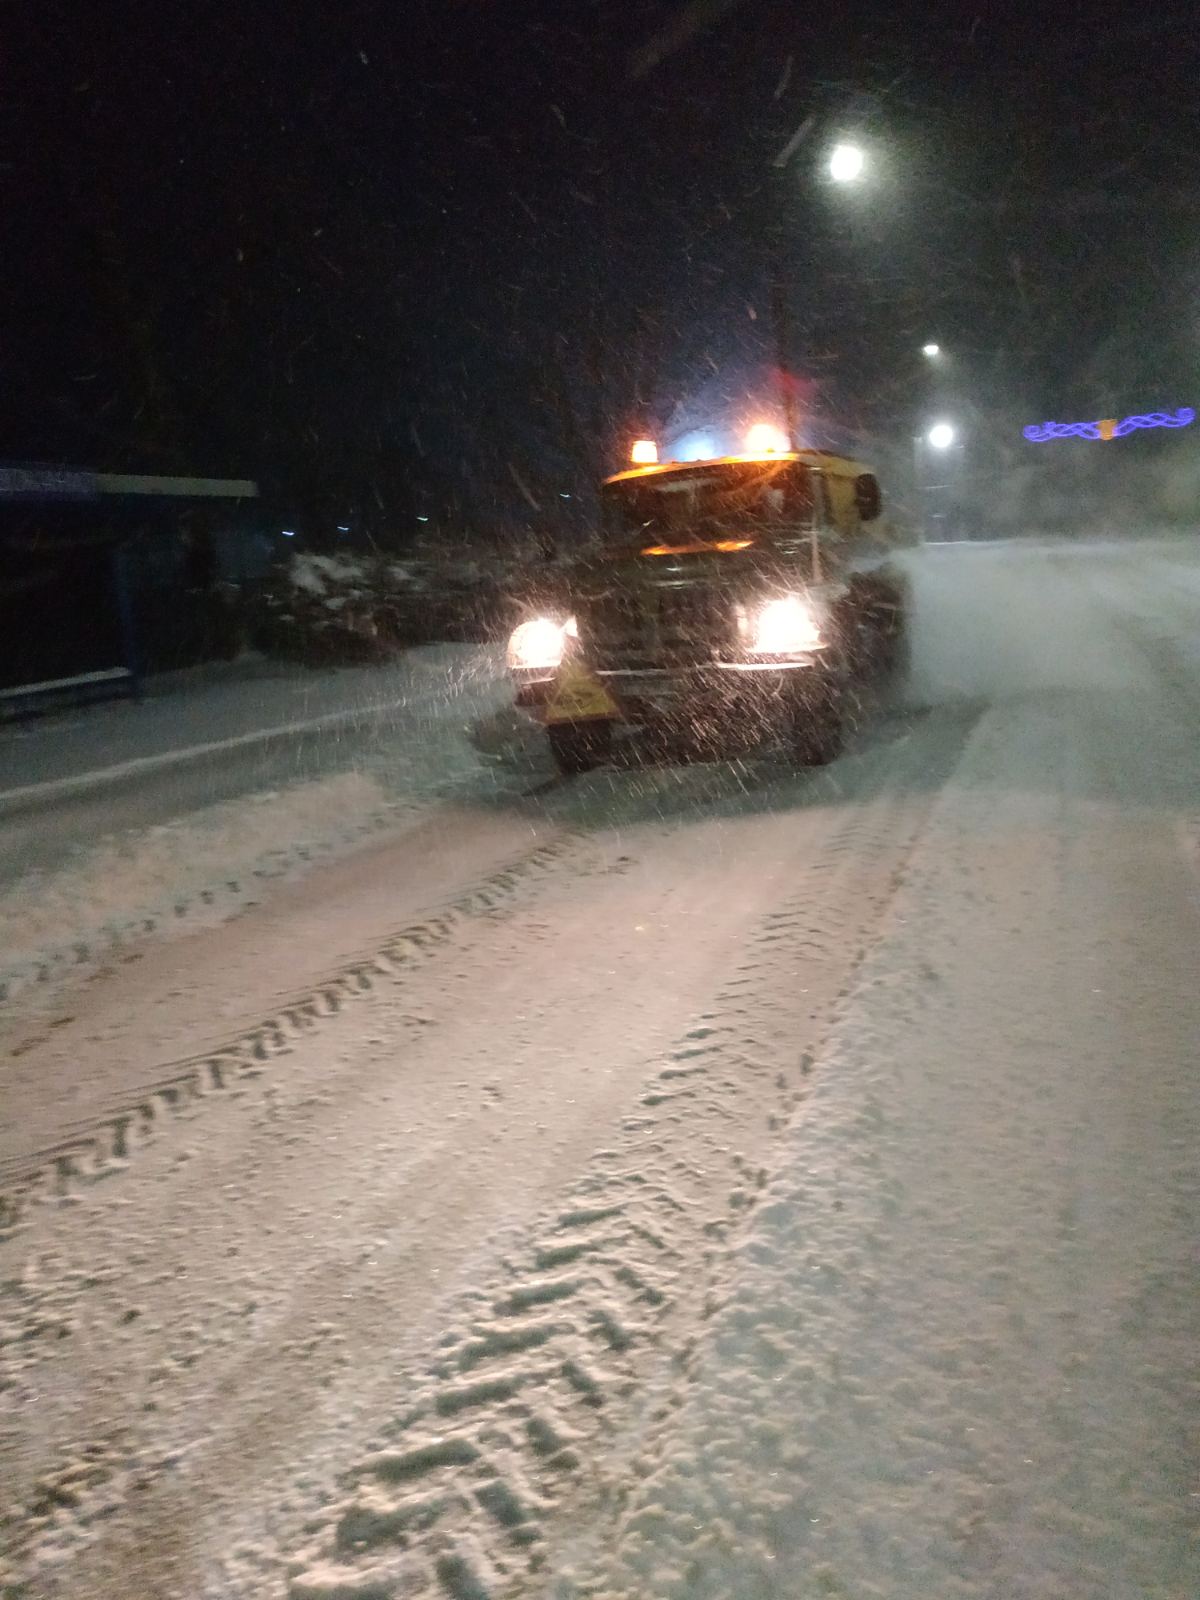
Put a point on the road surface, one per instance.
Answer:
(715, 1181)
(173, 812)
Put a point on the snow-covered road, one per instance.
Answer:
(123, 820)
(701, 1182)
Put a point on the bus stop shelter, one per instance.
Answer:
(69, 628)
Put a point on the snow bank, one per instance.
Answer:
(199, 868)
(384, 745)
(361, 607)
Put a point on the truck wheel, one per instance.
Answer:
(579, 746)
(818, 731)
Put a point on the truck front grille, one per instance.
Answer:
(625, 628)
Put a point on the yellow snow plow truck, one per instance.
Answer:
(730, 602)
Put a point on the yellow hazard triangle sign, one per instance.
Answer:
(578, 696)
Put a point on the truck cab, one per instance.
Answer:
(734, 599)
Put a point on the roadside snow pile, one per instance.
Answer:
(159, 851)
(337, 578)
(201, 867)
(347, 607)
(341, 607)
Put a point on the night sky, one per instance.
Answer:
(444, 258)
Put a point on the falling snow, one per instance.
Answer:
(850, 1251)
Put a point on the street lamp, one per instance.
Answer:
(933, 501)
(846, 163)
(932, 350)
(941, 436)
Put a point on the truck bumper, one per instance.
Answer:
(665, 695)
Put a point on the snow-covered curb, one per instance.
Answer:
(25, 796)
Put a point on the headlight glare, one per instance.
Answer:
(784, 626)
(538, 645)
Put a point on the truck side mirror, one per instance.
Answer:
(867, 497)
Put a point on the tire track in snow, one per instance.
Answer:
(539, 1406)
(104, 1146)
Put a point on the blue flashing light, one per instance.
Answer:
(1039, 432)
(697, 447)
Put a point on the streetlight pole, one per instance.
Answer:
(919, 488)
(934, 358)
(846, 164)
(781, 317)
(781, 309)
(941, 437)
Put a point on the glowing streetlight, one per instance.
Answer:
(941, 436)
(846, 163)
(931, 350)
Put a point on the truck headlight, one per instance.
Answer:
(539, 644)
(785, 626)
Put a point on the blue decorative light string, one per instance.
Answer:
(1038, 432)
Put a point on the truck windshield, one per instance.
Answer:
(707, 502)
